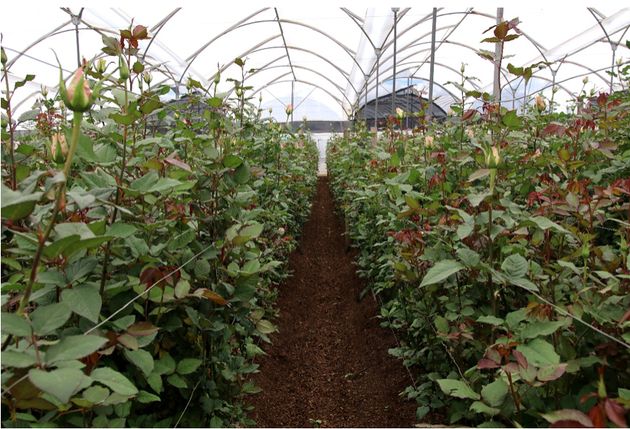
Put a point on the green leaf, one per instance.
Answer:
(165, 365)
(441, 271)
(458, 389)
(181, 240)
(512, 120)
(15, 359)
(479, 174)
(142, 359)
(177, 381)
(114, 380)
(48, 318)
(188, 366)
(16, 205)
(242, 174)
(121, 230)
(84, 300)
(441, 324)
(73, 228)
(491, 320)
(265, 327)
(232, 161)
(544, 224)
(58, 246)
(60, 383)
(74, 347)
(155, 381)
(12, 324)
(96, 394)
(476, 199)
(541, 328)
(515, 266)
(539, 353)
(480, 407)
(145, 397)
(144, 183)
(495, 392)
(470, 258)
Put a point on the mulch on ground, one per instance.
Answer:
(328, 365)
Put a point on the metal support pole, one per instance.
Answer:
(76, 20)
(408, 99)
(378, 64)
(365, 103)
(395, 10)
(612, 65)
(292, 102)
(497, 68)
(427, 113)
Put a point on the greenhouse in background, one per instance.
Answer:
(222, 215)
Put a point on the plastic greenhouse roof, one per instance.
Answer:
(323, 59)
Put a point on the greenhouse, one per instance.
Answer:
(315, 216)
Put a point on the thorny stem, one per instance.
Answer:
(11, 128)
(59, 203)
(123, 166)
(517, 402)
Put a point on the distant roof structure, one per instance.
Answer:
(327, 61)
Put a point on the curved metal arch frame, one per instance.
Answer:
(336, 67)
(244, 23)
(297, 66)
(276, 82)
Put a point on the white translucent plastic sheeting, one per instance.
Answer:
(317, 57)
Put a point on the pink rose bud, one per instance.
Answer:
(78, 95)
(540, 103)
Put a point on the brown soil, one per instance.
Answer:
(329, 361)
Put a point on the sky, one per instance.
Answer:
(550, 24)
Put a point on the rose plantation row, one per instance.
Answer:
(141, 246)
(498, 242)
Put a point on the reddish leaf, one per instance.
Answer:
(500, 31)
(598, 416)
(469, 114)
(142, 329)
(154, 276)
(551, 373)
(140, 32)
(602, 98)
(177, 163)
(487, 364)
(211, 295)
(568, 418)
(520, 358)
(615, 412)
(554, 129)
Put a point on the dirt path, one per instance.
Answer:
(329, 365)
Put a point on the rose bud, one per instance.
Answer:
(540, 104)
(58, 148)
(493, 158)
(78, 96)
(428, 142)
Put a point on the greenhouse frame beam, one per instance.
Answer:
(36, 42)
(281, 66)
(190, 59)
(244, 23)
(247, 52)
(323, 58)
(158, 27)
(276, 82)
(284, 42)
